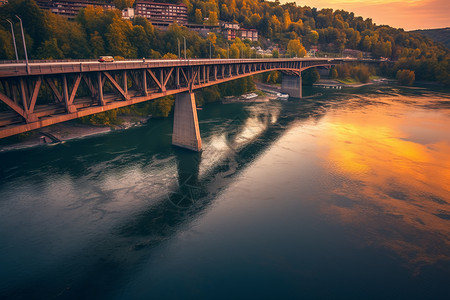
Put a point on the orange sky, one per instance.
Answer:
(406, 14)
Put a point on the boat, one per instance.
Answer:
(249, 96)
(281, 96)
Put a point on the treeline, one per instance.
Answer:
(293, 28)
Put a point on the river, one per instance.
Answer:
(345, 195)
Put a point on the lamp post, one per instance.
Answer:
(209, 50)
(228, 50)
(24, 43)
(184, 47)
(14, 39)
(179, 51)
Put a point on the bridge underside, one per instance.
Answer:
(44, 98)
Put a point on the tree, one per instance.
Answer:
(162, 106)
(212, 19)
(50, 50)
(405, 77)
(334, 72)
(295, 48)
(212, 37)
(198, 16)
(117, 34)
(234, 51)
(97, 44)
(169, 55)
(6, 46)
(138, 38)
(286, 20)
(275, 53)
(310, 76)
(312, 37)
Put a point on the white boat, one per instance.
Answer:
(281, 96)
(249, 96)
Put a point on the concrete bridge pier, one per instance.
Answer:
(292, 85)
(186, 132)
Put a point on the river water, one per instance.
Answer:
(344, 195)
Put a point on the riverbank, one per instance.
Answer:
(62, 132)
(338, 83)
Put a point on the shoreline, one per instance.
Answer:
(71, 130)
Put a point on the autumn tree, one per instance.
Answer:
(198, 16)
(295, 48)
(405, 77)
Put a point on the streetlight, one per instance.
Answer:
(14, 39)
(184, 47)
(24, 44)
(228, 50)
(179, 54)
(209, 50)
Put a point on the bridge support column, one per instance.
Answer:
(292, 85)
(186, 132)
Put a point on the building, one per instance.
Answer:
(70, 9)
(162, 14)
(232, 30)
(229, 30)
(251, 34)
(230, 25)
(128, 13)
(229, 33)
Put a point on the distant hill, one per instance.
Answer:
(441, 35)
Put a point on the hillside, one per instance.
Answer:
(289, 29)
(440, 35)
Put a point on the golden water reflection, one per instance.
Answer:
(394, 161)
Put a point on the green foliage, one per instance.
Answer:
(106, 118)
(334, 73)
(272, 77)
(161, 107)
(310, 76)
(237, 87)
(275, 53)
(50, 50)
(405, 77)
(360, 73)
(6, 45)
(295, 49)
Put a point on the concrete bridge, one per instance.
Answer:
(39, 94)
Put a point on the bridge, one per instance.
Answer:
(39, 94)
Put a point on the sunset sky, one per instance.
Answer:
(406, 14)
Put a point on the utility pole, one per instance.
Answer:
(14, 39)
(24, 44)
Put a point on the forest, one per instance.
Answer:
(291, 27)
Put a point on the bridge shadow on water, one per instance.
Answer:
(101, 266)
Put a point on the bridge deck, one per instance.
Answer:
(44, 93)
